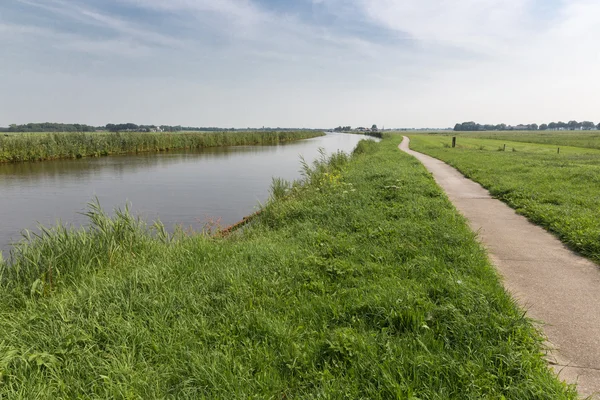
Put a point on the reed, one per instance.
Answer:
(22, 147)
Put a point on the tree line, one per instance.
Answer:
(127, 127)
(342, 129)
(49, 127)
(349, 128)
(123, 127)
(571, 125)
(131, 127)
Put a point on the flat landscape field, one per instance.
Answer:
(361, 282)
(558, 190)
(589, 139)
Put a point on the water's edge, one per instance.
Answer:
(187, 188)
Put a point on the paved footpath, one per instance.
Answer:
(556, 286)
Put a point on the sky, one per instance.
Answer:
(299, 63)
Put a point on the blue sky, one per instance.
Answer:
(309, 63)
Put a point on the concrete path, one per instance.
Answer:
(554, 285)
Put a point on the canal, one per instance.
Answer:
(187, 188)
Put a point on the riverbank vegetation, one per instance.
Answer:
(48, 146)
(360, 282)
(558, 189)
(38, 127)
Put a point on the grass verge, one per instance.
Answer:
(47, 146)
(361, 282)
(561, 192)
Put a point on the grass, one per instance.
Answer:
(360, 282)
(47, 146)
(558, 191)
(587, 139)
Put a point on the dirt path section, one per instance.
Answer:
(556, 286)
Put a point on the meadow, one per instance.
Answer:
(360, 281)
(587, 139)
(559, 191)
(19, 147)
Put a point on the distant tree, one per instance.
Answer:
(123, 127)
(374, 128)
(50, 127)
(468, 127)
(543, 127)
(533, 127)
(588, 125)
(598, 126)
(553, 126)
(561, 125)
(572, 125)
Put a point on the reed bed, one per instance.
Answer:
(20, 147)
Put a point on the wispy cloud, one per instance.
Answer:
(230, 62)
(70, 11)
(472, 24)
(239, 10)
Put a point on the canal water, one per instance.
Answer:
(187, 188)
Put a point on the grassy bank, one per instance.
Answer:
(362, 283)
(20, 147)
(558, 191)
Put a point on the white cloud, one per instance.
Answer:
(477, 25)
(89, 16)
(239, 12)
(237, 63)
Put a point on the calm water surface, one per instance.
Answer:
(179, 188)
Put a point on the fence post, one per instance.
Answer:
(454, 142)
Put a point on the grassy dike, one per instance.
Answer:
(560, 192)
(21, 147)
(364, 282)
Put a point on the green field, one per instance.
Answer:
(361, 283)
(588, 139)
(558, 191)
(19, 147)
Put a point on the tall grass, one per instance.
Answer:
(359, 282)
(47, 146)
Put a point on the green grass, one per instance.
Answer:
(589, 139)
(558, 191)
(361, 283)
(20, 147)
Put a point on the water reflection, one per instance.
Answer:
(182, 187)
